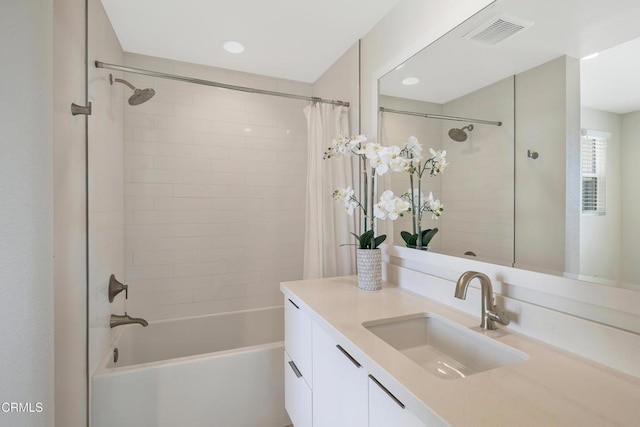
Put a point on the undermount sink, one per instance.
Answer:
(443, 348)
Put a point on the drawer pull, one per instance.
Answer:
(295, 369)
(354, 361)
(294, 304)
(395, 399)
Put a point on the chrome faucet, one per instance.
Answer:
(117, 320)
(490, 313)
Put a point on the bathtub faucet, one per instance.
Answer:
(117, 320)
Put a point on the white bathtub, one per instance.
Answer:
(222, 370)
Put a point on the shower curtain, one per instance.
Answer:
(327, 225)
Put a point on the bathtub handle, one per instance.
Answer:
(295, 369)
(294, 304)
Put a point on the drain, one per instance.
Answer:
(115, 355)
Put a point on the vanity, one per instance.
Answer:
(396, 358)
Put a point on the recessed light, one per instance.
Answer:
(247, 129)
(593, 55)
(233, 46)
(410, 81)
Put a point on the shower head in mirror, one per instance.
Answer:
(139, 96)
(459, 134)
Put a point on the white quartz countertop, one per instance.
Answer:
(551, 388)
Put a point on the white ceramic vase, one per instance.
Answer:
(369, 262)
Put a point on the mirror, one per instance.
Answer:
(551, 188)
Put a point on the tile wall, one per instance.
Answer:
(214, 192)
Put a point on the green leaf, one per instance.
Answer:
(378, 241)
(406, 236)
(365, 239)
(413, 241)
(427, 235)
(355, 235)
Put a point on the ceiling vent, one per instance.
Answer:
(497, 29)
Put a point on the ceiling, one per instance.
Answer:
(454, 66)
(290, 39)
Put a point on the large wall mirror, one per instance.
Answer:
(537, 105)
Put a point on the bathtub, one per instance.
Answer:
(222, 370)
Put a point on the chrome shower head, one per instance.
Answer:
(139, 95)
(459, 134)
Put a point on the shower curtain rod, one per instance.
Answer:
(100, 64)
(437, 116)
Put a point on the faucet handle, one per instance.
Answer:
(499, 316)
(115, 287)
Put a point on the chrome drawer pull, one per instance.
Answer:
(295, 369)
(354, 361)
(395, 399)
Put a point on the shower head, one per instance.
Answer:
(139, 95)
(459, 134)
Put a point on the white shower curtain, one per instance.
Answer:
(327, 224)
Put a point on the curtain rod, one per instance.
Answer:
(437, 116)
(100, 64)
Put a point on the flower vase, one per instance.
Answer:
(369, 262)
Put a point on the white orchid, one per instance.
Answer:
(438, 161)
(392, 156)
(414, 148)
(345, 195)
(434, 206)
(390, 206)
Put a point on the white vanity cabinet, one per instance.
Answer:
(340, 395)
(326, 386)
(385, 410)
(297, 364)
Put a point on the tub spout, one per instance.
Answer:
(117, 320)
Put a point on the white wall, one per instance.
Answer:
(541, 196)
(70, 215)
(214, 186)
(601, 235)
(478, 185)
(106, 182)
(26, 219)
(341, 82)
(630, 197)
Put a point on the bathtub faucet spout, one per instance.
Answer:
(117, 320)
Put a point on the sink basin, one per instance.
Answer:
(443, 348)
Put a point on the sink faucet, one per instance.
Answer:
(490, 314)
(117, 320)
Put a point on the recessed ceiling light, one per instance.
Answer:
(410, 81)
(247, 129)
(233, 46)
(593, 55)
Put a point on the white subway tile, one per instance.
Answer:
(181, 163)
(161, 257)
(201, 269)
(148, 190)
(200, 308)
(183, 203)
(169, 244)
(160, 298)
(148, 272)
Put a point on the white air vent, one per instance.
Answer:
(497, 29)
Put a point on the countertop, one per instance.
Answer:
(551, 388)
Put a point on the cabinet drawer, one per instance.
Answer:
(297, 395)
(297, 337)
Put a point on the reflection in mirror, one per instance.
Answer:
(551, 189)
